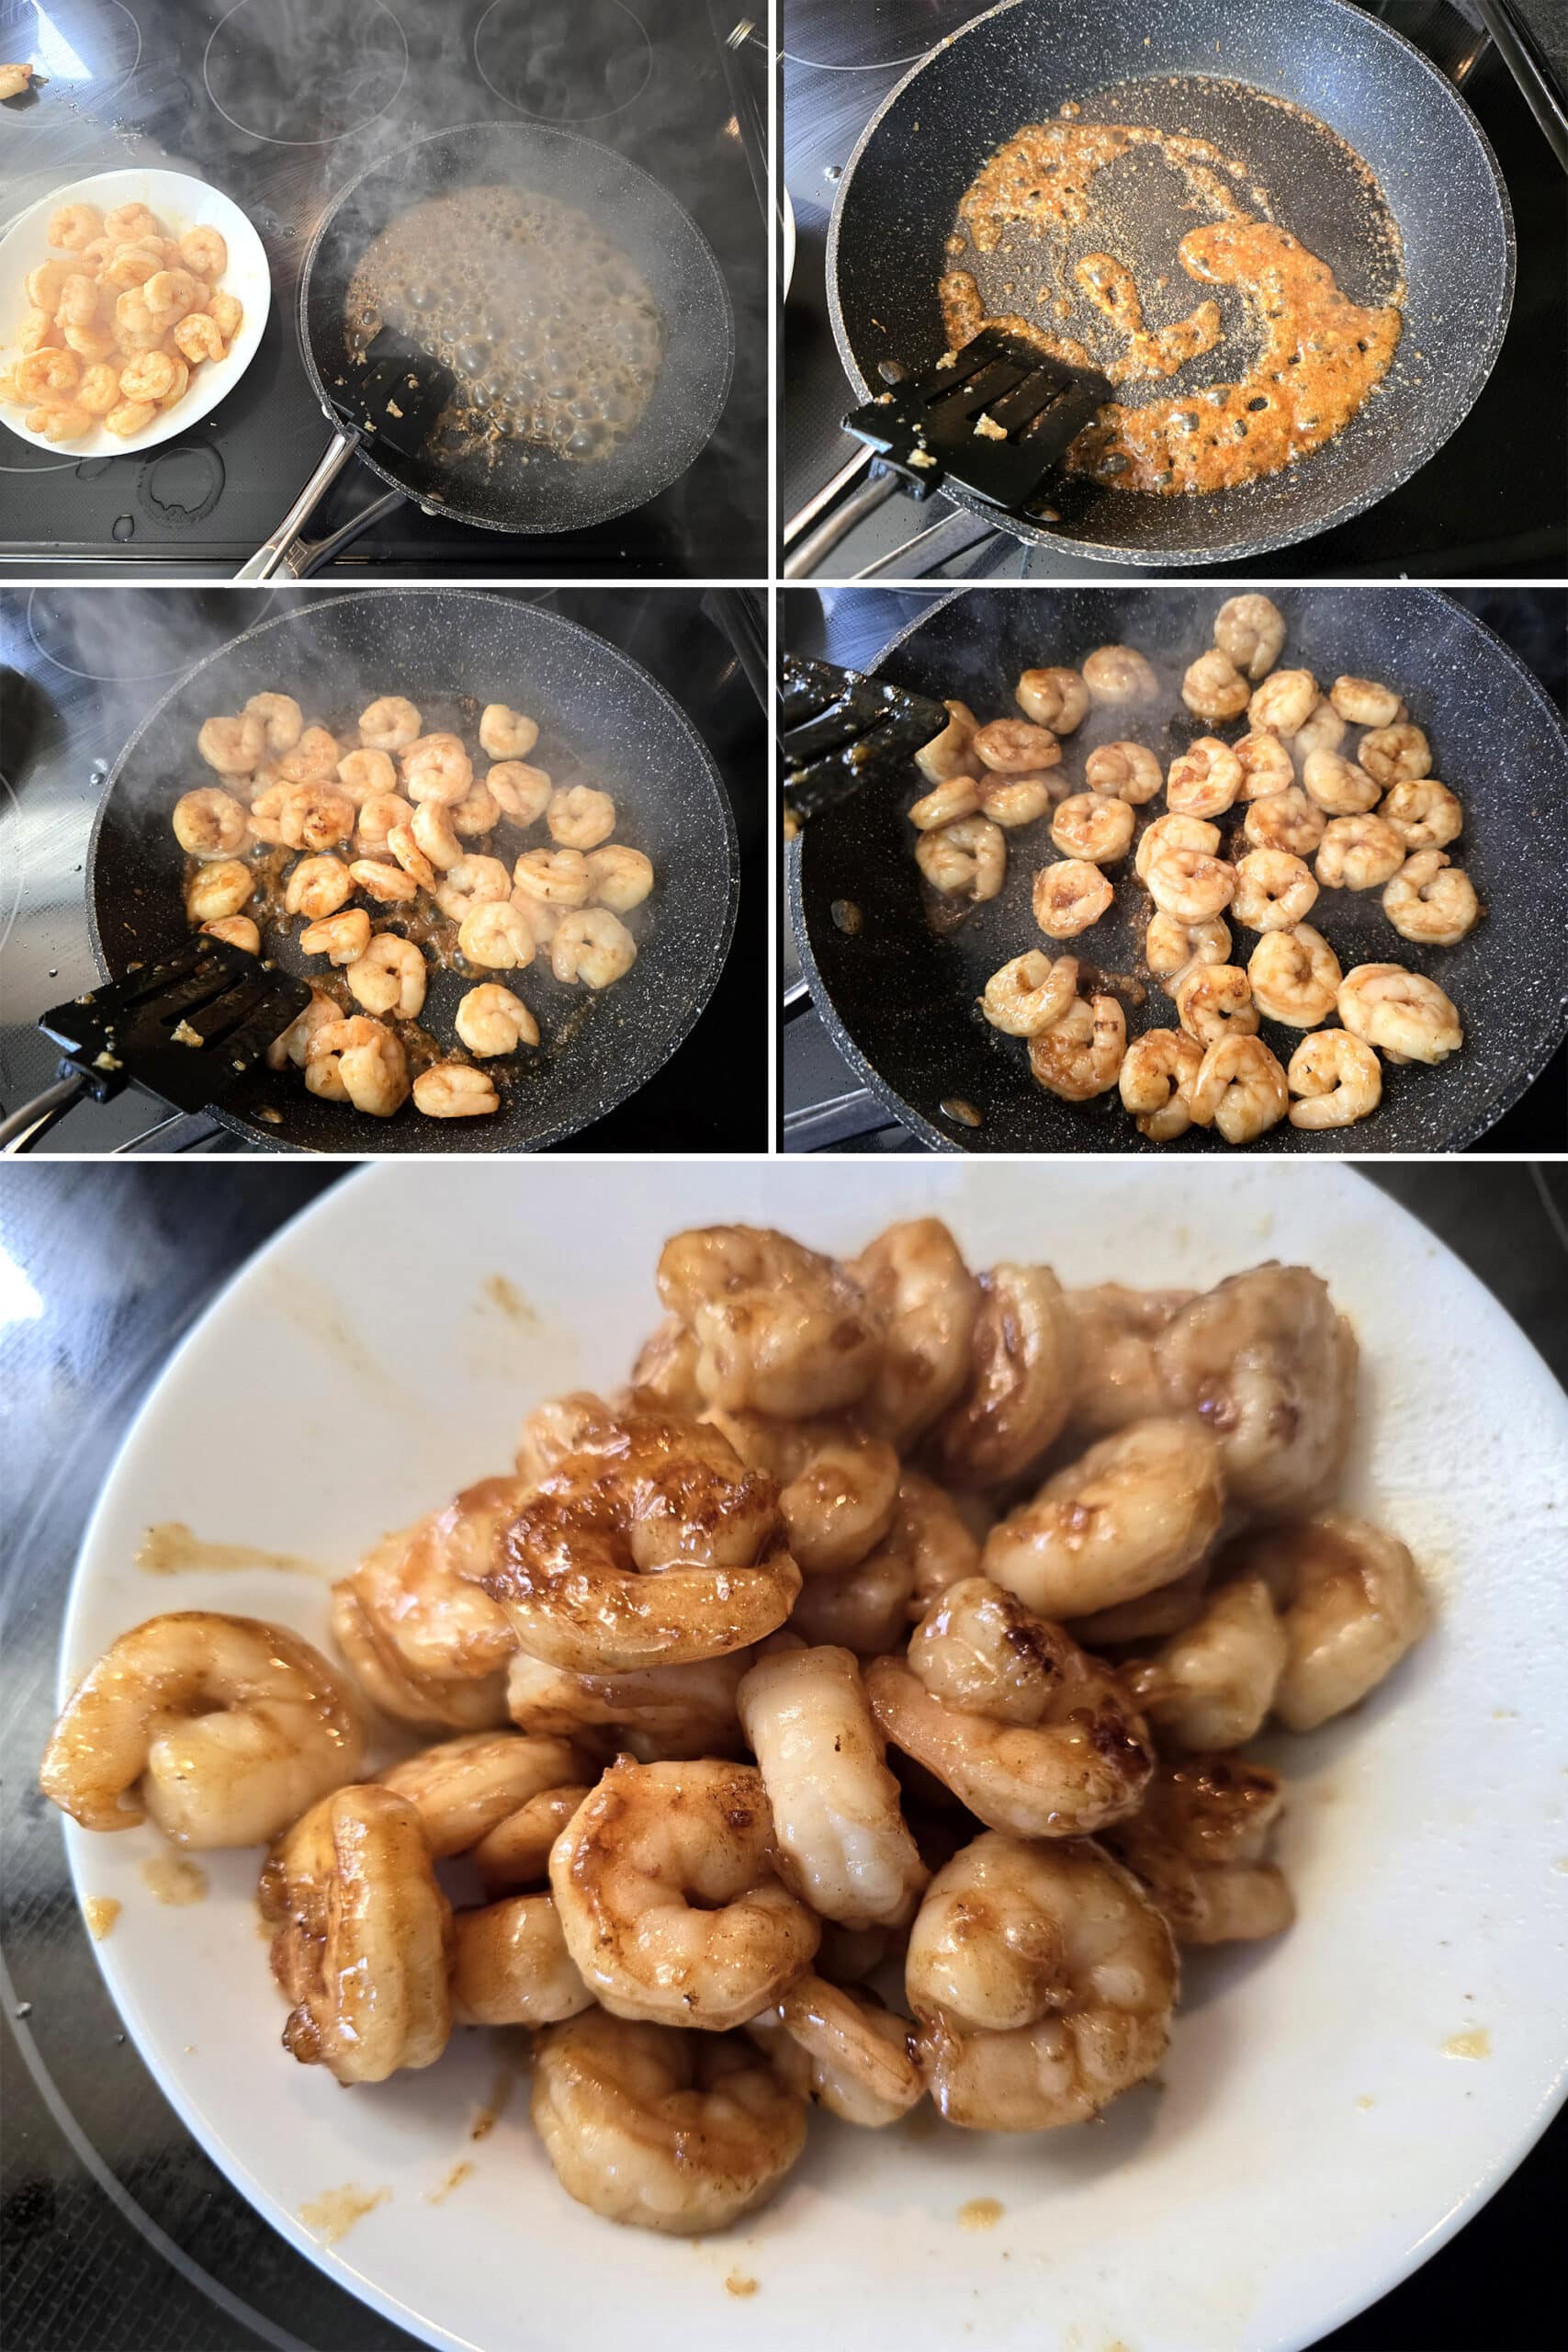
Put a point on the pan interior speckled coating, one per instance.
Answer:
(900, 1002)
(899, 196)
(598, 710)
(527, 489)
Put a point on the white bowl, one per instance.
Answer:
(1316, 2133)
(180, 203)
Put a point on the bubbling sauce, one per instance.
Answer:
(555, 339)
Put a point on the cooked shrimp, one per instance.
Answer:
(506, 734)
(1266, 765)
(1016, 747)
(204, 252)
(1337, 1078)
(232, 746)
(1393, 755)
(389, 883)
(681, 2132)
(1240, 1089)
(282, 722)
(379, 819)
(491, 1021)
(78, 301)
(1359, 853)
(560, 877)
(211, 823)
(1339, 784)
(1055, 699)
(840, 1841)
(61, 424)
(128, 266)
(197, 337)
(1044, 1980)
(1136, 1511)
(435, 835)
(1284, 702)
(318, 886)
(1176, 832)
(1274, 891)
(1214, 688)
(1290, 820)
(1070, 896)
(1094, 826)
(511, 1966)
(99, 389)
(1188, 883)
(1023, 1355)
(390, 978)
(1204, 779)
(686, 1711)
(391, 724)
(1156, 1080)
(171, 295)
(437, 768)
(363, 1937)
(843, 2050)
(1251, 630)
(619, 877)
(1079, 1056)
(519, 791)
(1403, 1014)
(593, 946)
(428, 1645)
(1151, 1616)
(967, 859)
(294, 1044)
(471, 882)
(947, 754)
(1028, 1732)
(1198, 1849)
(73, 226)
(453, 1091)
(477, 812)
(668, 1896)
(1424, 813)
(580, 818)
(238, 930)
(227, 312)
(495, 935)
(1364, 702)
(1031, 992)
(1268, 1366)
(1431, 901)
(342, 938)
(125, 220)
(1295, 975)
(45, 284)
(1214, 1001)
(1352, 1601)
(838, 1485)
(219, 890)
(368, 776)
(517, 1852)
(1324, 731)
(315, 816)
(357, 1062)
(782, 1330)
(412, 860)
(1212, 1684)
(1169, 947)
(1119, 1378)
(664, 1375)
(1012, 800)
(1127, 770)
(918, 1289)
(1115, 674)
(129, 417)
(865, 1610)
(463, 1788)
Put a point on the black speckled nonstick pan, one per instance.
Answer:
(900, 1002)
(601, 717)
(1176, 66)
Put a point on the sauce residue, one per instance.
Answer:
(739, 2284)
(454, 2179)
(494, 2107)
(171, 1547)
(173, 1880)
(980, 2213)
(101, 1911)
(500, 1292)
(1476, 2043)
(333, 2214)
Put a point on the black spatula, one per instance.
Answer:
(996, 421)
(395, 392)
(186, 1028)
(837, 728)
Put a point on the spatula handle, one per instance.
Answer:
(269, 557)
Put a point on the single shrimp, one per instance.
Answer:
(1022, 1356)
(619, 877)
(947, 754)
(464, 1788)
(238, 930)
(781, 1328)
(1070, 896)
(317, 887)
(227, 312)
(437, 768)
(73, 226)
(1213, 1683)
(1189, 883)
(1269, 1368)
(920, 1291)
(1274, 891)
(126, 220)
(592, 945)
(204, 252)
(1284, 702)
(283, 721)
(128, 418)
(1294, 976)
(490, 1019)
(428, 1644)
(664, 1375)
(1135, 1512)
(1079, 1056)
(1214, 688)
(1128, 770)
(495, 935)
(506, 734)
(1176, 832)
(435, 835)
(1240, 1089)
(1016, 747)
(519, 791)
(414, 864)
(1403, 1014)
(1204, 779)
(471, 882)
(967, 859)
(1324, 731)
(219, 1729)
(390, 978)
(843, 2050)
(863, 1611)
(1198, 1851)
(1424, 813)
(1352, 1601)
(1013, 800)
(98, 391)
(1251, 630)
(342, 938)
(477, 812)
(1031, 992)
(1364, 702)
(516, 1853)
(315, 816)
(211, 823)
(368, 776)
(1119, 1378)
(453, 1091)
(1055, 699)
(223, 887)
(390, 723)
(837, 1484)
(687, 1712)
(1393, 755)
(390, 884)
(1094, 826)
(360, 1062)
(558, 877)
(378, 819)
(313, 761)
(1171, 947)
(580, 818)
(1290, 820)
(1155, 1081)
(49, 375)
(1339, 784)
(197, 336)
(1214, 1001)
(294, 1044)
(61, 424)
(171, 295)
(1336, 1079)
(1115, 674)
(1359, 853)
(511, 1966)
(1431, 902)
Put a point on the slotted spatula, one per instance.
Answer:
(837, 728)
(996, 420)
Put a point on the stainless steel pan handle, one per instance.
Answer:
(271, 556)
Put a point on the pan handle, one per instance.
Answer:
(808, 552)
(269, 557)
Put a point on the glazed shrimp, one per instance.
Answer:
(1115, 674)
(362, 1938)
(1134, 1512)
(843, 2050)
(1290, 820)
(428, 1645)
(947, 754)
(1055, 699)
(1119, 1378)
(1214, 1001)
(390, 978)
(1204, 779)
(1431, 901)
(1359, 853)
(967, 859)
(1284, 702)
(1015, 747)
(1012, 800)
(1339, 786)
(1175, 832)
(1198, 1851)
(519, 791)
(315, 816)
(283, 721)
(841, 1842)
(1023, 1356)
(471, 882)
(238, 930)
(464, 1788)
(1240, 1089)
(1424, 813)
(490, 1019)
(1030, 1733)
(219, 1729)
(1031, 992)
(1393, 755)
(517, 1852)
(1070, 896)
(685, 1712)
(342, 938)
(1155, 1081)
(511, 1966)
(318, 886)
(1250, 630)
(391, 724)
(1171, 947)
(221, 889)
(1079, 1056)
(1364, 702)
(368, 776)
(1266, 765)
(1128, 770)
(1351, 1602)
(592, 945)
(506, 734)
(920, 1291)
(1213, 1684)
(437, 768)
(838, 1485)
(1188, 883)
(680, 2133)
(1093, 826)
(393, 885)
(211, 823)
(1044, 1980)
(495, 934)
(1294, 976)
(947, 803)
(1268, 1366)
(580, 818)
(558, 877)
(781, 1328)
(232, 746)
(619, 877)
(453, 1091)
(669, 1900)
(1274, 891)
(1403, 1014)
(863, 1611)
(664, 1376)
(1214, 688)
(360, 1062)
(204, 252)
(1336, 1079)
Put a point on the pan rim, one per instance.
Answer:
(1231, 551)
(1474, 1128)
(703, 983)
(549, 131)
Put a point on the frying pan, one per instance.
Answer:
(900, 1002)
(523, 488)
(1022, 61)
(599, 714)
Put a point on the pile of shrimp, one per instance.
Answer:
(122, 315)
(852, 1712)
(1376, 820)
(388, 835)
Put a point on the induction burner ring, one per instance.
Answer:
(299, 78)
(563, 61)
(148, 636)
(826, 35)
(76, 45)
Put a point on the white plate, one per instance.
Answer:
(180, 203)
(1316, 2136)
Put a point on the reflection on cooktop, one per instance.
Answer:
(565, 61)
(303, 72)
(81, 44)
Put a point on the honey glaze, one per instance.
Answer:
(173, 1880)
(171, 1546)
(331, 2215)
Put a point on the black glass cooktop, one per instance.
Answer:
(280, 104)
